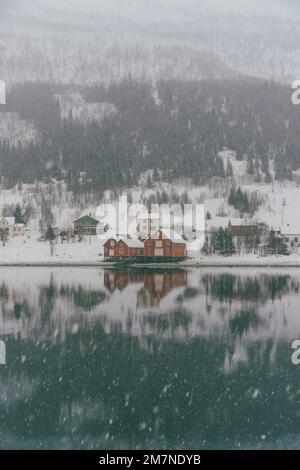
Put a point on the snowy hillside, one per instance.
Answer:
(153, 40)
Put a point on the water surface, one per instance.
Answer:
(128, 359)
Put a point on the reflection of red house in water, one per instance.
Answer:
(162, 283)
(156, 285)
(165, 243)
(114, 280)
(159, 285)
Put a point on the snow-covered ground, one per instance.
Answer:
(28, 250)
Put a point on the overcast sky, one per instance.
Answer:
(167, 9)
(246, 6)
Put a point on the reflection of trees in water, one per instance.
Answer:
(86, 299)
(245, 320)
(176, 317)
(259, 288)
(47, 297)
(3, 291)
(106, 387)
(168, 322)
(172, 394)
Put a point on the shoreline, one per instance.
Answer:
(194, 264)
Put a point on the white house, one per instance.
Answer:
(291, 236)
(12, 228)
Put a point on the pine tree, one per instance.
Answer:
(223, 242)
(231, 198)
(229, 248)
(18, 214)
(229, 170)
(205, 248)
(50, 235)
(275, 244)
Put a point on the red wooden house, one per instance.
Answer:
(124, 248)
(128, 247)
(165, 243)
(109, 246)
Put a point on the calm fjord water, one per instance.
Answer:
(159, 359)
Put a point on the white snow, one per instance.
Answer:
(28, 250)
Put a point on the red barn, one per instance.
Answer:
(128, 247)
(165, 243)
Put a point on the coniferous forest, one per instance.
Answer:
(174, 127)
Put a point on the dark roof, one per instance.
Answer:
(96, 222)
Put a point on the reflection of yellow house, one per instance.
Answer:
(13, 229)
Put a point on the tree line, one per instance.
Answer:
(180, 136)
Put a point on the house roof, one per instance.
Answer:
(132, 243)
(87, 217)
(237, 221)
(9, 220)
(109, 240)
(242, 229)
(290, 230)
(170, 234)
(147, 216)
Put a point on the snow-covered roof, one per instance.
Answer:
(217, 222)
(19, 225)
(147, 215)
(9, 220)
(132, 243)
(171, 235)
(290, 230)
(237, 222)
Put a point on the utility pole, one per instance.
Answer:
(282, 211)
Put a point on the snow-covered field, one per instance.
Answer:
(28, 250)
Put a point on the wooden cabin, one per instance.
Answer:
(128, 248)
(109, 246)
(86, 225)
(165, 243)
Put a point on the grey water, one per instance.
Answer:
(150, 359)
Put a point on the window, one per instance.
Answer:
(158, 244)
(296, 239)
